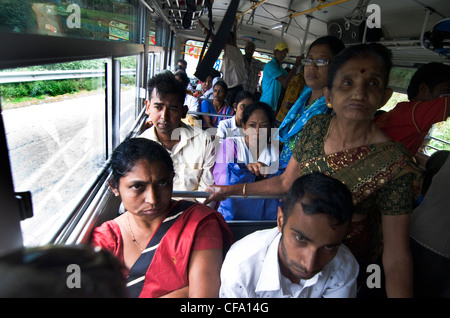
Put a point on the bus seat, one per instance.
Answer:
(241, 228)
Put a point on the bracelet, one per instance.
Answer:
(243, 191)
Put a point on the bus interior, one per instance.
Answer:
(73, 77)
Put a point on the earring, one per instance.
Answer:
(329, 105)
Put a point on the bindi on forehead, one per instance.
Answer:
(362, 71)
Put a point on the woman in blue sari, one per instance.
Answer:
(311, 101)
(217, 105)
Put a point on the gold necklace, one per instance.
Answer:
(132, 235)
(333, 123)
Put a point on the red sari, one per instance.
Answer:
(197, 227)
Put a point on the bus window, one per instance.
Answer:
(128, 94)
(193, 49)
(439, 135)
(438, 138)
(54, 119)
(191, 53)
(111, 20)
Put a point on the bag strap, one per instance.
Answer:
(206, 63)
(136, 276)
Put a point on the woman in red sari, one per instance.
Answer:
(348, 146)
(170, 248)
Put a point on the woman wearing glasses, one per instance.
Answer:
(311, 101)
(380, 173)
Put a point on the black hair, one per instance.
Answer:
(182, 76)
(432, 166)
(248, 111)
(334, 44)
(326, 195)
(359, 51)
(222, 83)
(431, 74)
(166, 83)
(243, 95)
(126, 155)
(183, 61)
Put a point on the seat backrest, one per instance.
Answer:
(243, 228)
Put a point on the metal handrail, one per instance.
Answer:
(201, 194)
(441, 140)
(208, 114)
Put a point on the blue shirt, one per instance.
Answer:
(271, 87)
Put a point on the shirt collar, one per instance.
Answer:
(184, 132)
(270, 276)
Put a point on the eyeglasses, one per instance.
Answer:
(319, 62)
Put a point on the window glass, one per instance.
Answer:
(55, 130)
(111, 20)
(128, 94)
(400, 77)
(438, 137)
(193, 49)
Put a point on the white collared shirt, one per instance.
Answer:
(233, 66)
(193, 157)
(251, 270)
(228, 128)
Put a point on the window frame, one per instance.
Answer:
(35, 49)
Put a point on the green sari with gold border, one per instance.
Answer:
(382, 178)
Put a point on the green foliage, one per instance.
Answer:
(17, 91)
(49, 88)
(400, 77)
(16, 16)
(441, 131)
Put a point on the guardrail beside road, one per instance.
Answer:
(19, 77)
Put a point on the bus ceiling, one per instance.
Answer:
(400, 23)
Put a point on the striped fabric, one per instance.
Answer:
(136, 277)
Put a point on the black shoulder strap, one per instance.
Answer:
(206, 64)
(136, 276)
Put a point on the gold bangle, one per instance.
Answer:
(243, 191)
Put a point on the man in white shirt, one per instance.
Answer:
(303, 256)
(192, 150)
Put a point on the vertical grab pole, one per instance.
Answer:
(424, 26)
(305, 35)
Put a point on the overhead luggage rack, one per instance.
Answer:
(182, 14)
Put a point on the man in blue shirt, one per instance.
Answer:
(275, 77)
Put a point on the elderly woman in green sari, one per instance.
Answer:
(348, 146)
